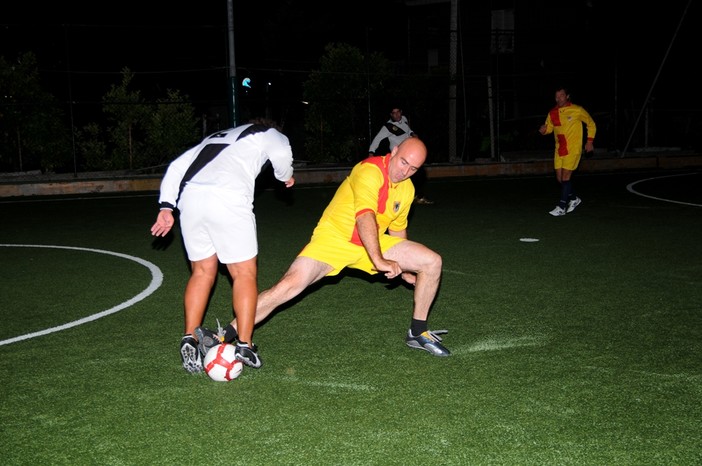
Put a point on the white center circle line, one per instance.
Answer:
(630, 188)
(156, 281)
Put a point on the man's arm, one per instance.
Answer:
(409, 277)
(382, 134)
(368, 232)
(547, 127)
(591, 130)
(277, 147)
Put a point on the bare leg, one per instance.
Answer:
(302, 273)
(426, 264)
(244, 295)
(559, 175)
(197, 291)
(565, 174)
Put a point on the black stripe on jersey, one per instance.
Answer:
(396, 130)
(206, 155)
(253, 129)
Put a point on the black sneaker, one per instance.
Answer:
(232, 337)
(428, 341)
(190, 355)
(207, 339)
(248, 355)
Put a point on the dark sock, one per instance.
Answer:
(571, 192)
(565, 190)
(230, 334)
(418, 327)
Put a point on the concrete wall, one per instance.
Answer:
(46, 185)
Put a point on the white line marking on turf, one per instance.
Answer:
(457, 272)
(529, 240)
(156, 280)
(630, 188)
(684, 375)
(492, 344)
(346, 386)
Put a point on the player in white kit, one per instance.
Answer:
(212, 185)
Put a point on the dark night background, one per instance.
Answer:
(609, 53)
(185, 46)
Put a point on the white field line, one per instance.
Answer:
(630, 188)
(156, 281)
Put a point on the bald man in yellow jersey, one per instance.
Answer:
(365, 227)
(565, 121)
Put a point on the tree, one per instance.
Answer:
(171, 128)
(138, 134)
(32, 131)
(126, 113)
(338, 96)
(91, 148)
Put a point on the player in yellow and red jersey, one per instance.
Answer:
(566, 121)
(365, 227)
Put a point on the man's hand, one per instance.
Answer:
(390, 268)
(164, 223)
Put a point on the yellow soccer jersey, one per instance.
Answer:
(566, 123)
(367, 188)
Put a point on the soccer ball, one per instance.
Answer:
(221, 363)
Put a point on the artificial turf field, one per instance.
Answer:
(582, 348)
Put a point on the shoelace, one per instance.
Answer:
(435, 334)
(220, 331)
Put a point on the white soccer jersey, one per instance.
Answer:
(213, 186)
(395, 131)
(234, 166)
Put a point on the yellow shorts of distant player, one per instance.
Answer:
(569, 162)
(340, 254)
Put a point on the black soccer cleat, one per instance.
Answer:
(248, 354)
(207, 339)
(192, 362)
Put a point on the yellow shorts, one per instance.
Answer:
(340, 253)
(569, 162)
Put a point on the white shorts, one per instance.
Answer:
(212, 224)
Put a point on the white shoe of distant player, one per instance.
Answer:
(573, 204)
(558, 211)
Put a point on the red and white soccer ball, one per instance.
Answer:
(221, 363)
